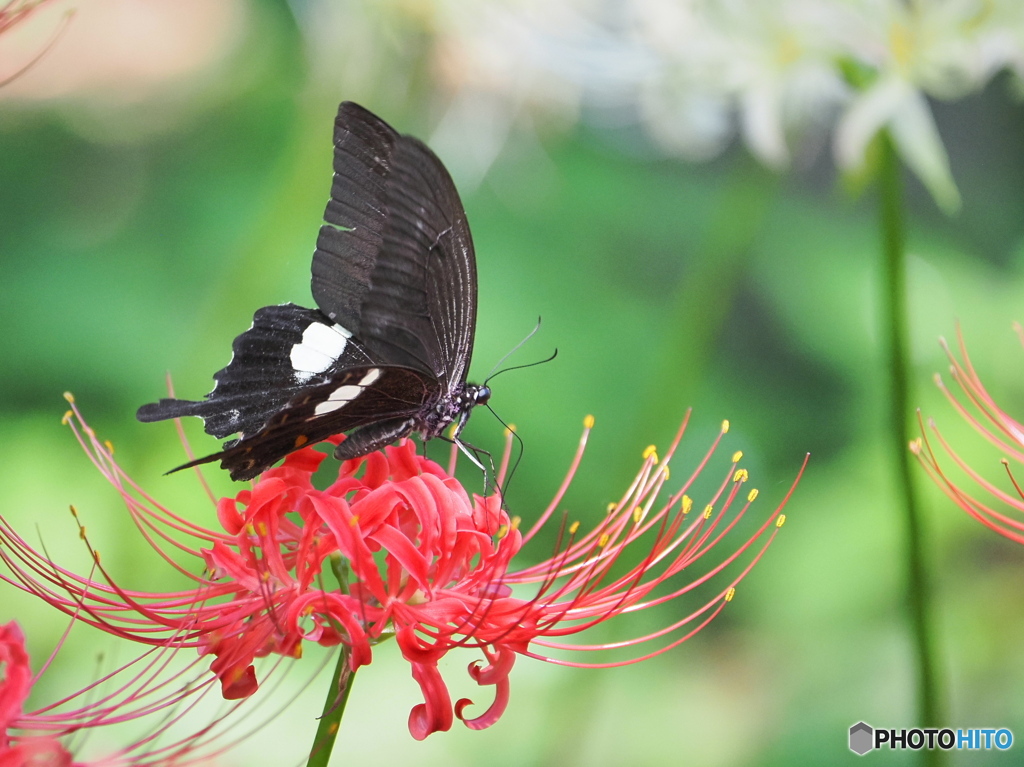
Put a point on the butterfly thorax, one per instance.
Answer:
(454, 408)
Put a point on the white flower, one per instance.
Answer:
(767, 63)
(941, 48)
(696, 73)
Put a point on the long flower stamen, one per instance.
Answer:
(416, 559)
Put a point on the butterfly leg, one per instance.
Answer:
(473, 453)
(372, 437)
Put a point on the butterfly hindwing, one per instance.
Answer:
(287, 350)
(356, 397)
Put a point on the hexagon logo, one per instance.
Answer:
(862, 737)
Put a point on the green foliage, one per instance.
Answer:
(664, 286)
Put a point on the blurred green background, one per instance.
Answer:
(164, 176)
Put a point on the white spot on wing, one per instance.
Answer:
(345, 394)
(320, 347)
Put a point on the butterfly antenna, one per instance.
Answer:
(512, 351)
(522, 449)
(520, 367)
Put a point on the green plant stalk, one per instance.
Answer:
(338, 692)
(705, 297)
(918, 581)
(334, 707)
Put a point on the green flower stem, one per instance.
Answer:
(919, 588)
(705, 296)
(334, 707)
(341, 685)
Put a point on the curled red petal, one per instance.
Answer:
(229, 516)
(435, 713)
(339, 607)
(417, 652)
(499, 668)
(306, 461)
(236, 684)
(493, 713)
(377, 470)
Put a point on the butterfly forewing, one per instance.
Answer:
(400, 269)
(357, 397)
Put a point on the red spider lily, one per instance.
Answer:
(152, 690)
(996, 426)
(15, 684)
(414, 557)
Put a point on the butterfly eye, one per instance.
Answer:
(482, 395)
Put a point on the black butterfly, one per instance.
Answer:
(387, 353)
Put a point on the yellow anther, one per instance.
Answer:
(573, 528)
(915, 446)
(588, 422)
(265, 576)
(67, 417)
(510, 429)
(354, 521)
(665, 471)
(781, 520)
(96, 556)
(74, 511)
(737, 456)
(788, 51)
(261, 528)
(109, 445)
(752, 495)
(687, 504)
(901, 44)
(651, 451)
(730, 594)
(708, 511)
(69, 397)
(516, 521)
(638, 514)
(81, 532)
(502, 532)
(603, 540)
(1004, 462)
(298, 650)
(611, 507)
(740, 475)
(725, 426)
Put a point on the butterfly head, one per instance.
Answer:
(477, 395)
(471, 396)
